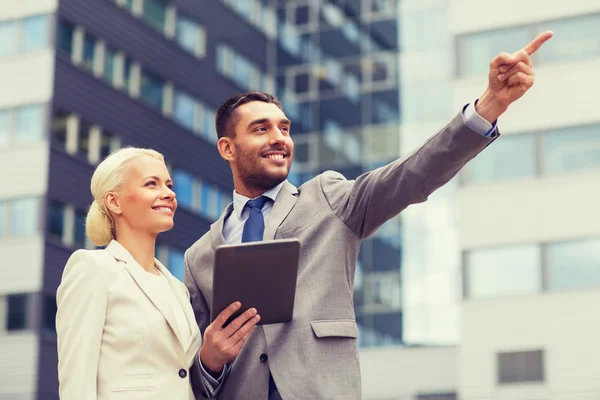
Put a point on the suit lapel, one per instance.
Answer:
(137, 273)
(285, 201)
(216, 229)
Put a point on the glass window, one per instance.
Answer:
(176, 263)
(205, 190)
(55, 215)
(2, 218)
(35, 33)
(576, 39)
(89, 44)
(8, 38)
(79, 237)
(183, 184)
(184, 110)
(573, 265)
(127, 76)
(105, 145)
(30, 123)
(190, 35)
(50, 313)
(571, 149)
(151, 90)
(4, 127)
(242, 70)
(110, 57)
(504, 271)
(209, 128)
(65, 37)
(477, 50)
(59, 127)
(83, 138)
(24, 215)
(155, 12)
(513, 156)
(16, 317)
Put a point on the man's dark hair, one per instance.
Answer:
(225, 112)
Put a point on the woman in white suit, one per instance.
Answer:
(126, 329)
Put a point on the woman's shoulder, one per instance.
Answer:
(98, 263)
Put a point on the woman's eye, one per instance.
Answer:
(151, 183)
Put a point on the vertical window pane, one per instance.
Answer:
(184, 110)
(50, 313)
(151, 90)
(55, 215)
(504, 271)
(65, 37)
(127, 67)
(110, 57)
(210, 131)
(89, 44)
(155, 13)
(35, 33)
(105, 145)
(4, 127)
(176, 263)
(205, 190)
(2, 219)
(572, 149)
(79, 231)
(574, 265)
(8, 38)
(83, 138)
(30, 123)
(24, 215)
(513, 157)
(59, 127)
(183, 183)
(242, 70)
(189, 35)
(16, 317)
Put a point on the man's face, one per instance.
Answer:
(262, 149)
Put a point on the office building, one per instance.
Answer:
(337, 74)
(81, 79)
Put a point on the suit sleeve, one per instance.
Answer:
(203, 385)
(377, 196)
(81, 301)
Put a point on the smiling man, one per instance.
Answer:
(315, 356)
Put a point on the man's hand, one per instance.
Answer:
(222, 345)
(511, 75)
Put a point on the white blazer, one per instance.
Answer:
(117, 334)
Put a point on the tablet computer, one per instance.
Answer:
(257, 274)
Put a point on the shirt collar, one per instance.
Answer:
(239, 201)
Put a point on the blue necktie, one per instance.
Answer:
(255, 224)
(254, 229)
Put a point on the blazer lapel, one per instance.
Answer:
(136, 271)
(185, 305)
(216, 229)
(285, 201)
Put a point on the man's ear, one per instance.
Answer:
(226, 148)
(113, 204)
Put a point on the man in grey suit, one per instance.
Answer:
(315, 356)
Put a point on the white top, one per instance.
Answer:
(183, 327)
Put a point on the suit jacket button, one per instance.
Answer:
(264, 357)
(182, 373)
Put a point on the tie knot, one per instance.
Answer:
(257, 203)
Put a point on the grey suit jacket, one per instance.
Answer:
(315, 356)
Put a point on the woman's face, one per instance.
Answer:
(146, 201)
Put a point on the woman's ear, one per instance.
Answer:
(113, 204)
(226, 148)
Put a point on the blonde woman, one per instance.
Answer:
(125, 326)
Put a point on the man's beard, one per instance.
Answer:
(253, 175)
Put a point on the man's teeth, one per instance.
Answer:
(275, 156)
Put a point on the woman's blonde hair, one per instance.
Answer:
(108, 177)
